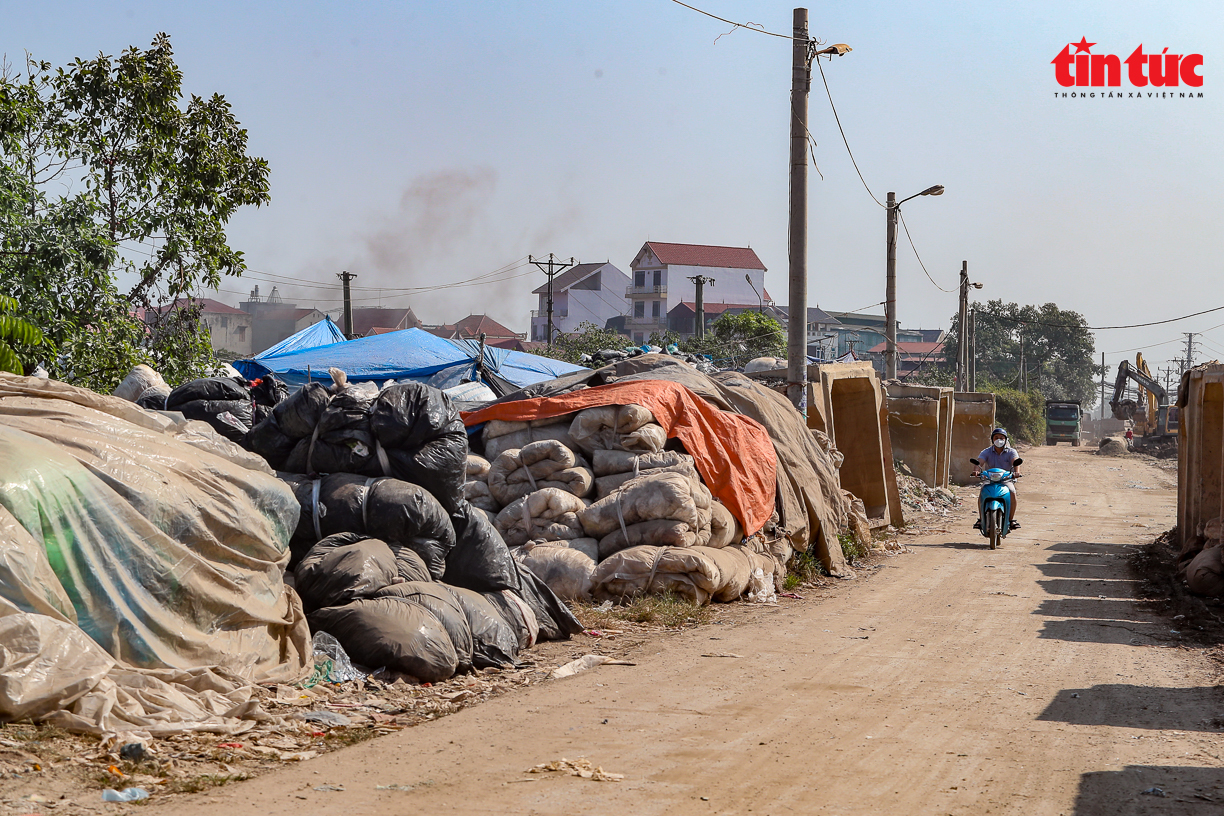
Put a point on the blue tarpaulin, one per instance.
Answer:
(323, 333)
(414, 354)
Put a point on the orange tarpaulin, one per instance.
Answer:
(732, 453)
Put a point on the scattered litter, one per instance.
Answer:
(586, 662)
(1154, 792)
(606, 606)
(327, 718)
(393, 787)
(127, 795)
(722, 654)
(580, 767)
(135, 751)
(332, 664)
(329, 788)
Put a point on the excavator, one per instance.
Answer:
(1154, 418)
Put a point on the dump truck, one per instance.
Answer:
(1063, 422)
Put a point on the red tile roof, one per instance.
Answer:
(209, 305)
(714, 308)
(700, 255)
(472, 325)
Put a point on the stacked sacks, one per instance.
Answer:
(615, 467)
(617, 427)
(476, 488)
(502, 436)
(549, 514)
(566, 566)
(698, 574)
(663, 509)
(378, 601)
(145, 387)
(410, 431)
(536, 466)
(222, 402)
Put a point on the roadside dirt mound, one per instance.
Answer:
(1111, 446)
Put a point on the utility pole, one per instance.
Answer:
(973, 349)
(962, 352)
(796, 335)
(1104, 374)
(890, 292)
(345, 277)
(1189, 362)
(701, 281)
(551, 268)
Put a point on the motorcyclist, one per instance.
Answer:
(1000, 454)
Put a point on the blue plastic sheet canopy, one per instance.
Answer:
(414, 354)
(323, 333)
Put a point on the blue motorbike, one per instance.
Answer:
(994, 502)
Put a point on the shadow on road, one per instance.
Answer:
(1099, 597)
(957, 545)
(1150, 707)
(1122, 793)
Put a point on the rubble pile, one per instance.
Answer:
(916, 495)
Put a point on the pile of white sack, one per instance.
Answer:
(600, 506)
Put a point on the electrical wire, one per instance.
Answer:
(919, 257)
(1099, 328)
(748, 26)
(843, 133)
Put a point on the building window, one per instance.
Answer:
(654, 308)
(639, 308)
(638, 338)
(225, 323)
(639, 278)
(241, 334)
(658, 277)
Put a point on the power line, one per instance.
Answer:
(916, 255)
(1099, 328)
(843, 133)
(749, 26)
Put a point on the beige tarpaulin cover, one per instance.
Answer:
(125, 524)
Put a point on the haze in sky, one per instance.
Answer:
(421, 144)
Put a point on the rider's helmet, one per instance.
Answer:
(997, 432)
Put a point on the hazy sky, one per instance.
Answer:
(418, 144)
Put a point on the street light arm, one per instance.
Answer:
(938, 189)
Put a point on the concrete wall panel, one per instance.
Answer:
(972, 422)
(920, 425)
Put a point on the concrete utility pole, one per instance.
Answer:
(973, 349)
(701, 281)
(796, 333)
(892, 210)
(345, 277)
(551, 268)
(962, 351)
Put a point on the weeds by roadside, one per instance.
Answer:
(666, 610)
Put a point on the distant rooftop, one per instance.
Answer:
(701, 255)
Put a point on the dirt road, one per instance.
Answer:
(958, 680)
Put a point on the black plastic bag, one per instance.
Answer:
(440, 601)
(269, 391)
(393, 632)
(230, 418)
(269, 441)
(494, 642)
(480, 561)
(343, 442)
(211, 389)
(424, 439)
(152, 400)
(298, 415)
(342, 568)
(397, 512)
(556, 620)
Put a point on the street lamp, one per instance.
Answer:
(761, 307)
(892, 208)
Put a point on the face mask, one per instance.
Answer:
(998, 443)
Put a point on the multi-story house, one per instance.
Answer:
(662, 275)
(229, 329)
(586, 293)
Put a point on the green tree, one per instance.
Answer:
(734, 339)
(586, 339)
(108, 176)
(14, 333)
(1055, 345)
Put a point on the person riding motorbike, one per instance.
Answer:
(1000, 455)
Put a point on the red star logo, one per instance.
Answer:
(1083, 45)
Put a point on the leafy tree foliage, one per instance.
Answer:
(14, 333)
(108, 175)
(586, 339)
(734, 339)
(1055, 343)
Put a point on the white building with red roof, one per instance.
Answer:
(229, 329)
(661, 275)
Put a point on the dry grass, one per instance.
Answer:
(668, 610)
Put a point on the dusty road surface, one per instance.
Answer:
(1029, 680)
